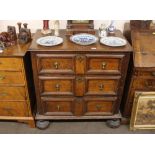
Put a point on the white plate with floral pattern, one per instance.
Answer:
(113, 41)
(49, 41)
(84, 39)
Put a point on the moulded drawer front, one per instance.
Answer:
(11, 64)
(9, 108)
(99, 106)
(57, 106)
(99, 64)
(57, 85)
(12, 93)
(11, 78)
(56, 63)
(102, 85)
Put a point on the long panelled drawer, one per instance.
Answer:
(13, 108)
(11, 78)
(144, 83)
(10, 64)
(146, 73)
(105, 63)
(102, 85)
(12, 93)
(99, 106)
(58, 106)
(57, 85)
(55, 63)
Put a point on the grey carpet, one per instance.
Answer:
(68, 128)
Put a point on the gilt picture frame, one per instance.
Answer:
(143, 111)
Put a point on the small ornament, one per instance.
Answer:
(56, 28)
(111, 28)
(46, 29)
(102, 31)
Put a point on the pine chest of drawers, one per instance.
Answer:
(78, 82)
(15, 103)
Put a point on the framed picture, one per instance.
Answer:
(143, 112)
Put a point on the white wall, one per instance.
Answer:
(37, 24)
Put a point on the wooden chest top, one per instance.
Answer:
(144, 48)
(69, 46)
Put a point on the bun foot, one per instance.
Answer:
(42, 124)
(115, 123)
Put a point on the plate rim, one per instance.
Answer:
(125, 41)
(37, 41)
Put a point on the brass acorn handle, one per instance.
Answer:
(56, 65)
(3, 94)
(104, 64)
(98, 107)
(58, 107)
(57, 86)
(80, 58)
(2, 77)
(101, 87)
(153, 73)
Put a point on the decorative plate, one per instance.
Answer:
(49, 41)
(113, 41)
(84, 39)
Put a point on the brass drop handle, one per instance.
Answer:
(79, 79)
(98, 107)
(58, 107)
(149, 84)
(3, 94)
(104, 64)
(80, 58)
(153, 73)
(57, 86)
(2, 77)
(56, 65)
(101, 87)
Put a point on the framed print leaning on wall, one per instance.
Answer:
(143, 112)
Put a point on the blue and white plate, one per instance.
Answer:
(49, 41)
(84, 39)
(113, 41)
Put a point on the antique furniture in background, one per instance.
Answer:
(80, 26)
(78, 82)
(142, 74)
(15, 81)
(143, 111)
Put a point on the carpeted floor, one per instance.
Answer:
(68, 128)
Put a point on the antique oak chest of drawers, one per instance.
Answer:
(14, 97)
(78, 82)
(142, 76)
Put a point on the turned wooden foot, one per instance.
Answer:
(114, 123)
(42, 124)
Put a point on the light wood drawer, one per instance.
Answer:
(9, 108)
(11, 78)
(99, 106)
(11, 64)
(104, 64)
(12, 93)
(53, 63)
(58, 106)
(102, 85)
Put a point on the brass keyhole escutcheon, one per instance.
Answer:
(80, 58)
(58, 107)
(2, 77)
(56, 65)
(98, 107)
(104, 64)
(57, 87)
(101, 87)
(3, 94)
(80, 79)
